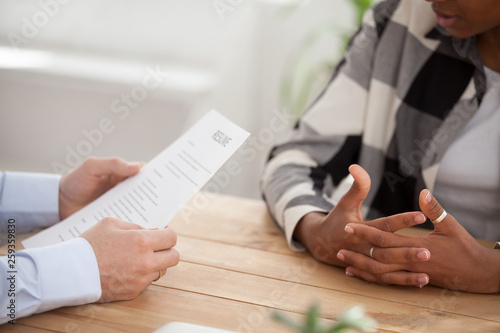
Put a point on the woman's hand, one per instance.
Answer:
(457, 261)
(324, 235)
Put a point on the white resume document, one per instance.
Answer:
(162, 187)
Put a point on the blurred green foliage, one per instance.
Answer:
(302, 81)
(354, 319)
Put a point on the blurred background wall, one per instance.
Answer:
(126, 77)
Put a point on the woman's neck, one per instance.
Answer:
(488, 45)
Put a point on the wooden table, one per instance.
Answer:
(236, 271)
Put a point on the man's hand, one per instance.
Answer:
(324, 235)
(129, 256)
(457, 260)
(90, 180)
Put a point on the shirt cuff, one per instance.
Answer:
(68, 274)
(31, 199)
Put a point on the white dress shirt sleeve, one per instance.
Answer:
(49, 277)
(31, 199)
(44, 278)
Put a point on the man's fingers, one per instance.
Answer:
(159, 240)
(359, 189)
(111, 166)
(167, 258)
(159, 261)
(120, 224)
(401, 278)
(130, 257)
(397, 222)
(378, 237)
(158, 274)
(155, 240)
(162, 260)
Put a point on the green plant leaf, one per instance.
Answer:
(312, 319)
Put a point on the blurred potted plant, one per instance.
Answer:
(301, 80)
(354, 319)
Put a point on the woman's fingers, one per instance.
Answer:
(400, 278)
(368, 264)
(372, 270)
(397, 222)
(380, 238)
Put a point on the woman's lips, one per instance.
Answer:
(446, 21)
